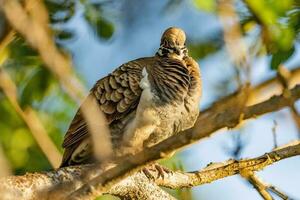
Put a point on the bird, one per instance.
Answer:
(145, 101)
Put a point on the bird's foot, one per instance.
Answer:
(161, 171)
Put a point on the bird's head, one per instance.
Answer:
(172, 44)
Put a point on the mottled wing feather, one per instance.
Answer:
(76, 132)
(118, 95)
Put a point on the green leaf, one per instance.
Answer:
(280, 57)
(104, 29)
(201, 50)
(36, 87)
(60, 12)
(64, 35)
(206, 5)
(272, 16)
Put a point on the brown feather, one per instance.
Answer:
(172, 80)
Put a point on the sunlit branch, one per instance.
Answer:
(38, 185)
(272, 86)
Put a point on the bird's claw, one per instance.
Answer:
(148, 174)
(161, 171)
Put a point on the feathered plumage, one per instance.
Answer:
(145, 101)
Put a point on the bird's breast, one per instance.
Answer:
(169, 81)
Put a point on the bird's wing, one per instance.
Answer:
(118, 95)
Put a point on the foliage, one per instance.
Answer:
(38, 88)
(206, 5)
(278, 22)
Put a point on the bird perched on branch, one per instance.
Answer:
(144, 101)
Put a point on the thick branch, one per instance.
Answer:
(37, 185)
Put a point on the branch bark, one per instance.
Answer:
(38, 185)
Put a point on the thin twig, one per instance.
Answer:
(263, 188)
(272, 86)
(260, 187)
(274, 134)
(278, 192)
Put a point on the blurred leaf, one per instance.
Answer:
(21, 55)
(36, 161)
(206, 5)
(200, 50)
(20, 48)
(60, 11)
(294, 19)
(3, 56)
(36, 87)
(17, 157)
(247, 22)
(103, 28)
(64, 35)
(272, 16)
(21, 139)
(280, 57)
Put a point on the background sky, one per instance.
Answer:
(139, 25)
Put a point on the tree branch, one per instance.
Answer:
(38, 185)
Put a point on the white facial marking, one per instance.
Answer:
(159, 52)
